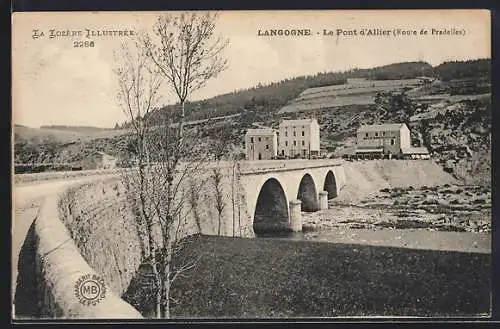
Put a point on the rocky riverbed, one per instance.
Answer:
(456, 208)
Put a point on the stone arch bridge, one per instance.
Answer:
(277, 191)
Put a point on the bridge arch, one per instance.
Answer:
(330, 185)
(271, 210)
(308, 194)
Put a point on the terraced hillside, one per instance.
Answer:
(354, 92)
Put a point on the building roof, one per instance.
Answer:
(369, 150)
(297, 122)
(415, 150)
(261, 132)
(382, 127)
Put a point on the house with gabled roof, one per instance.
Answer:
(98, 160)
(387, 140)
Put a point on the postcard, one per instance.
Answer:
(203, 165)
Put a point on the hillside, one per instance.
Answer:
(447, 107)
(367, 178)
(269, 99)
(353, 92)
(64, 134)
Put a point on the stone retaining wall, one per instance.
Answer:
(101, 223)
(58, 267)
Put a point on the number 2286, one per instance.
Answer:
(81, 44)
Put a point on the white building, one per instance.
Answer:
(98, 160)
(261, 144)
(299, 138)
(390, 139)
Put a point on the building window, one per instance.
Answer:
(286, 133)
(286, 143)
(251, 139)
(366, 135)
(260, 139)
(294, 134)
(294, 143)
(302, 143)
(267, 138)
(302, 132)
(392, 141)
(376, 134)
(383, 133)
(267, 147)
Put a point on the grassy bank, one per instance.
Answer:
(248, 278)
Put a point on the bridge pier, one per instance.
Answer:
(296, 215)
(323, 200)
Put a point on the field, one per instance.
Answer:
(361, 92)
(270, 278)
(438, 104)
(67, 135)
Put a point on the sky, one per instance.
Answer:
(55, 83)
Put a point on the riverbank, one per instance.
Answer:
(452, 208)
(407, 238)
(269, 278)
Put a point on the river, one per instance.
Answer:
(470, 242)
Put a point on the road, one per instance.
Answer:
(27, 200)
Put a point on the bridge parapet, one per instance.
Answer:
(252, 167)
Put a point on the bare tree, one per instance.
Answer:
(217, 177)
(235, 190)
(219, 150)
(139, 83)
(187, 53)
(158, 184)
